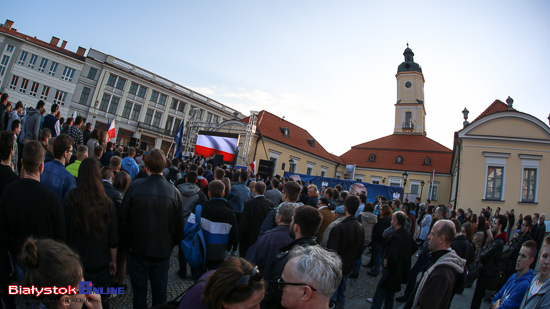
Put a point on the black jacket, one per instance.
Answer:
(513, 251)
(273, 295)
(399, 249)
(115, 196)
(152, 217)
(347, 238)
(379, 228)
(254, 214)
(491, 256)
(462, 247)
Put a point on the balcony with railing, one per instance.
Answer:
(407, 126)
(151, 128)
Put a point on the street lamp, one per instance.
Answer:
(421, 189)
(405, 176)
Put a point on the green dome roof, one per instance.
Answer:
(409, 64)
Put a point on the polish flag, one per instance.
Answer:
(253, 166)
(111, 130)
(74, 115)
(209, 144)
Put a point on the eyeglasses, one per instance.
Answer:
(281, 283)
(243, 284)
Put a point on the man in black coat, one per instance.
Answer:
(303, 228)
(396, 262)
(107, 178)
(254, 213)
(347, 238)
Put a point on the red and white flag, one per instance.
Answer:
(74, 115)
(253, 167)
(111, 130)
(209, 144)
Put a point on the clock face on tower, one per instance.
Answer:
(408, 85)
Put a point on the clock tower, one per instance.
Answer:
(410, 113)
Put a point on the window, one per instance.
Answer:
(494, 183)
(359, 178)
(310, 167)
(14, 81)
(4, 65)
(136, 112)
(209, 118)
(53, 68)
(408, 117)
(395, 182)
(92, 73)
(9, 49)
(114, 105)
(24, 85)
(169, 122)
(216, 119)
(45, 92)
(43, 65)
(111, 81)
(127, 110)
(292, 168)
(34, 89)
(84, 96)
(375, 180)
(529, 185)
(109, 102)
(530, 177)
(22, 58)
(123, 137)
(415, 187)
(174, 104)
(181, 107)
(60, 97)
(121, 82)
(149, 116)
(433, 192)
(158, 98)
(32, 62)
(339, 175)
(154, 96)
(157, 119)
(324, 171)
(138, 90)
(68, 74)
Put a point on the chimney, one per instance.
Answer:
(63, 44)
(81, 51)
(8, 24)
(54, 41)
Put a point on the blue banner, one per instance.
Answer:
(372, 190)
(179, 140)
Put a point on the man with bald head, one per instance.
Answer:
(435, 288)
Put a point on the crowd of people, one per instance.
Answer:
(75, 207)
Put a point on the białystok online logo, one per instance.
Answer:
(84, 287)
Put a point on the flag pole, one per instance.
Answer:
(171, 144)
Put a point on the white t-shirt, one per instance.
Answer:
(535, 288)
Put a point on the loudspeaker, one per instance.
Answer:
(217, 160)
(265, 168)
(143, 146)
(133, 142)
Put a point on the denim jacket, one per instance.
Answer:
(240, 196)
(57, 178)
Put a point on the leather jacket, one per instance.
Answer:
(152, 217)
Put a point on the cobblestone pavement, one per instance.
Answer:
(358, 290)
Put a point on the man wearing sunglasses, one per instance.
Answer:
(310, 278)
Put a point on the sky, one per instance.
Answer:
(326, 66)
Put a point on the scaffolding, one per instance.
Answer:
(194, 125)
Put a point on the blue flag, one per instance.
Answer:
(179, 140)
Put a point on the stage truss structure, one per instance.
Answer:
(194, 125)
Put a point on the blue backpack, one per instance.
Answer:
(193, 244)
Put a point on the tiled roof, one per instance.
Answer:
(413, 148)
(270, 126)
(497, 106)
(36, 41)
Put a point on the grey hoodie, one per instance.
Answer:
(538, 300)
(368, 220)
(450, 259)
(32, 125)
(190, 196)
